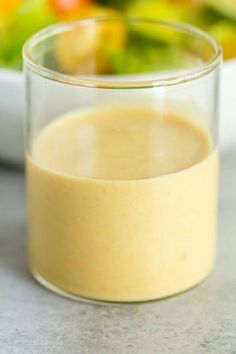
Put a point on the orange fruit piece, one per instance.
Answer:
(85, 49)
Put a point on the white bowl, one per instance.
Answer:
(12, 108)
(11, 116)
(228, 105)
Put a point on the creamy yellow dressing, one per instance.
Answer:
(122, 204)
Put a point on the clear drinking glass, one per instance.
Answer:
(122, 157)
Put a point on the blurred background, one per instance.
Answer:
(21, 18)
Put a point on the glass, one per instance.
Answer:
(122, 157)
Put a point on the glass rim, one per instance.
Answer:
(99, 82)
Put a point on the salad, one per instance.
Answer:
(21, 18)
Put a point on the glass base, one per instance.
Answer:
(87, 300)
(64, 293)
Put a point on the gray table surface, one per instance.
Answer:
(36, 321)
